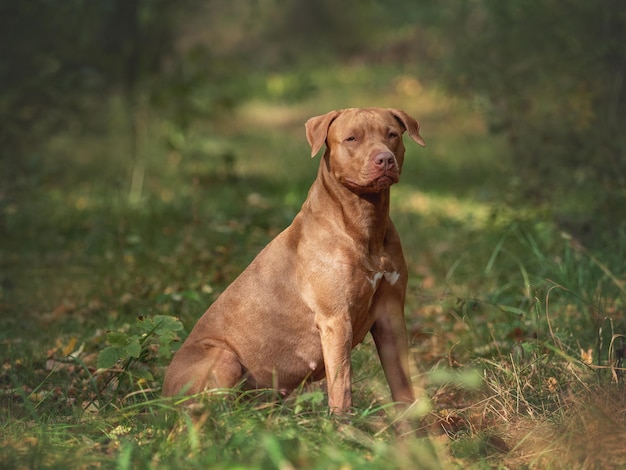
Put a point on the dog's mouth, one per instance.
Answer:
(373, 186)
(384, 181)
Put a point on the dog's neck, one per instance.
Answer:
(364, 217)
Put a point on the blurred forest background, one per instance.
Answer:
(150, 148)
(549, 76)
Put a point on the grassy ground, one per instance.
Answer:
(516, 328)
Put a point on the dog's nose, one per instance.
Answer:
(385, 160)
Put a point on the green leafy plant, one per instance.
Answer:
(134, 354)
(159, 331)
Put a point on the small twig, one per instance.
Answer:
(556, 340)
(616, 370)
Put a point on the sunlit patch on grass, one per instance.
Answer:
(273, 115)
(472, 213)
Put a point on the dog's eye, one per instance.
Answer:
(392, 135)
(351, 139)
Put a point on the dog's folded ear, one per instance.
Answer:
(317, 130)
(410, 124)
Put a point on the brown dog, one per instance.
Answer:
(315, 291)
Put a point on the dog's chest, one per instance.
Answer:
(378, 269)
(377, 276)
(373, 275)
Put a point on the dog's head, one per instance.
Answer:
(365, 151)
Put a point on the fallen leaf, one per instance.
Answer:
(69, 347)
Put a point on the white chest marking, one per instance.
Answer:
(376, 280)
(390, 277)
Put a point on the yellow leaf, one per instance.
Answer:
(586, 356)
(69, 347)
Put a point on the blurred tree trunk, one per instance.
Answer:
(126, 21)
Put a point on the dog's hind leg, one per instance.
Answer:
(210, 369)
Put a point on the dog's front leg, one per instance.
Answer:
(336, 336)
(389, 333)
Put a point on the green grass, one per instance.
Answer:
(516, 328)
